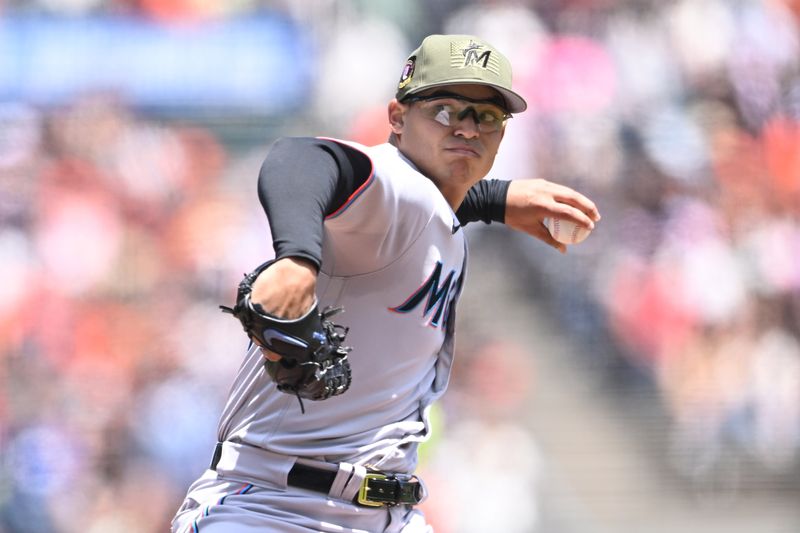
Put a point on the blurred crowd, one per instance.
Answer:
(120, 236)
(121, 232)
(681, 120)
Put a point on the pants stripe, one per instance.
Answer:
(244, 489)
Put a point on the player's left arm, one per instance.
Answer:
(524, 204)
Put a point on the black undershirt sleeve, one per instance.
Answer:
(302, 180)
(485, 201)
(305, 179)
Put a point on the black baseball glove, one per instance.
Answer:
(313, 362)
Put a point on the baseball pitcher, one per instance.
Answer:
(351, 326)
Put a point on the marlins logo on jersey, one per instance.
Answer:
(439, 299)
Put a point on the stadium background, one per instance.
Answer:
(648, 381)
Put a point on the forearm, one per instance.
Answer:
(524, 204)
(286, 289)
(485, 201)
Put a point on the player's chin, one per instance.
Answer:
(468, 170)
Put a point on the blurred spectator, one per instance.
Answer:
(344, 86)
(93, 256)
(483, 433)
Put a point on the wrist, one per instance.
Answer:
(298, 264)
(287, 289)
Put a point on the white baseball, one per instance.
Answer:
(565, 231)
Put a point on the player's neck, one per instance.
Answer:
(453, 193)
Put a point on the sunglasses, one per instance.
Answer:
(449, 109)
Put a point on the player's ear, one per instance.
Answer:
(397, 112)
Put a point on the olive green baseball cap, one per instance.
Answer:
(455, 59)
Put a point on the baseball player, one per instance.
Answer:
(322, 424)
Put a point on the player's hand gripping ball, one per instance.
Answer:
(566, 231)
(313, 363)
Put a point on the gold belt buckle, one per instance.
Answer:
(363, 491)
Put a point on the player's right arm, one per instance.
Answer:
(524, 205)
(529, 202)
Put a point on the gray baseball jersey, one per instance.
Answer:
(393, 257)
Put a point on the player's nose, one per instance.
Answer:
(467, 126)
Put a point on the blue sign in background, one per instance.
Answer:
(262, 63)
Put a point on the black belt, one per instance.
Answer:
(378, 489)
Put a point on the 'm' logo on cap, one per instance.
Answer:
(470, 54)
